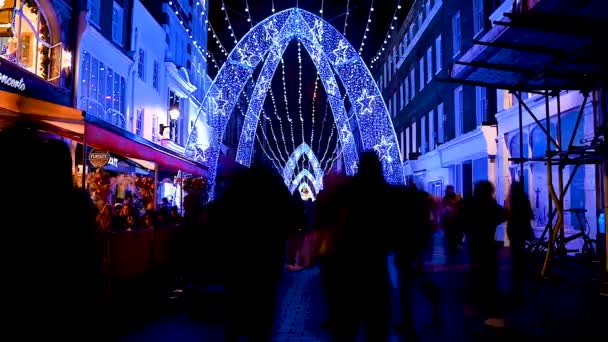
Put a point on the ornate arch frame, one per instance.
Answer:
(332, 54)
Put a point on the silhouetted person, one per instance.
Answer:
(362, 254)
(50, 259)
(482, 215)
(519, 229)
(451, 211)
(254, 243)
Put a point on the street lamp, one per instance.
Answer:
(173, 116)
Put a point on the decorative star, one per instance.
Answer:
(345, 134)
(332, 87)
(272, 32)
(218, 104)
(247, 57)
(317, 29)
(341, 52)
(315, 54)
(383, 149)
(261, 86)
(365, 102)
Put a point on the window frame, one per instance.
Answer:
(117, 32)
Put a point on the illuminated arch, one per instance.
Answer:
(300, 177)
(331, 53)
(292, 162)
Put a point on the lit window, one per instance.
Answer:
(438, 55)
(25, 39)
(94, 7)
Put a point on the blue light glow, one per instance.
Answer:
(292, 162)
(300, 178)
(332, 54)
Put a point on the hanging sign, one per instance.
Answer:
(99, 158)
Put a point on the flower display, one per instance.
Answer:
(145, 188)
(194, 185)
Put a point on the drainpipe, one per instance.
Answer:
(131, 75)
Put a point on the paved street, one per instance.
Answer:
(565, 308)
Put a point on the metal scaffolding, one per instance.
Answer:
(547, 47)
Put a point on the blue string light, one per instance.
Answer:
(331, 50)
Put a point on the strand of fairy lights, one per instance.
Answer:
(369, 20)
(300, 90)
(201, 49)
(282, 160)
(346, 17)
(227, 19)
(274, 137)
(336, 151)
(322, 125)
(293, 143)
(272, 160)
(276, 114)
(314, 101)
(217, 40)
(387, 38)
(333, 128)
(265, 117)
(248, 13)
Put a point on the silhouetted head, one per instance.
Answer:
(517, 192)
(484, 190)
(450, 191)
(370, 168)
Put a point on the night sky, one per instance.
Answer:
(334, 11)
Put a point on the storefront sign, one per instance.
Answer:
(99, 158)
(11, 82)
(15, 79)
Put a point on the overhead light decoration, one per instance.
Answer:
(375, 126)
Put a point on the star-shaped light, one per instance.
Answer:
(217, 104)
(366, 102)
(332, 87)
(271, 31)
(384, 149)
(341, 52)
(246, 55)
(345, 134)
(261, 86)
(317, 30)
(315, 54)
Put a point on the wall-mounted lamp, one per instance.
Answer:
(173, 116)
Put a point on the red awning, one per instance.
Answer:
(105, 139)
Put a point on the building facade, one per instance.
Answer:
(37, 41)
(104, 65)
(454, 133)
(446, 130)
(184, 23)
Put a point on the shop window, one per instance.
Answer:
(103, 91)
(25, 39)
